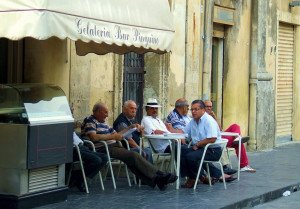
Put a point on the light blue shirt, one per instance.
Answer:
(207, 127)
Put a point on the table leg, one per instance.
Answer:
(173, 156)
(178, 163)
(239, 163)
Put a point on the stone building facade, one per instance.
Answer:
(239, 53)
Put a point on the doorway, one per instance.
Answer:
(133, 81)
(217, 76)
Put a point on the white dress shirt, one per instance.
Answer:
(151, 124)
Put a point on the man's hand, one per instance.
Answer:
(171, 129)
(158, 132)
(116, 136)
(195, 147)
(140, 128)
(169, 126)
(133, 126)
(183, 141)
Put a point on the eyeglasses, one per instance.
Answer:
(194, 109)
(208, 106)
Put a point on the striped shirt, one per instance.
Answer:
(92, 125)
(178, 121)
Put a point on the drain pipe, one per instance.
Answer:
(207, 50)
(185, 47)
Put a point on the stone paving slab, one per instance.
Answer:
(277, 169)
(292, 201)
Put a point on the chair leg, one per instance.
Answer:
(162, 164)
(70, 173)
(119, 169)
(224, 182)
(134, 179)
(101, 181)
(157, 160)
(127, 174)
(83, 175)
(208, 173)
(198, 174)
(227, 151)
(112, 173)
(105, 172)
(168, 168)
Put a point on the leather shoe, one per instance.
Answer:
(172, 178)
(189, 183)
(228, 170)
(161, 181)
(229, 179)
(244, 139)
(205, 180)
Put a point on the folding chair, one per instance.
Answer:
(159, 154)
(91, 144)
(120, 163)
(222, 144)
(81, 163)
(110, 165)
(239, 140)
(81, 168)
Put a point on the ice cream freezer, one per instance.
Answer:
(36, 127)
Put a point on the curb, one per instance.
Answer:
(263, 198)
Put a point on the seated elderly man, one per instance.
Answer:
(96, 129)
(154, 125)
(202, 129)
(179, 118)
(231, 143)
(126, 119)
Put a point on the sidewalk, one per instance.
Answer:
(277, 171)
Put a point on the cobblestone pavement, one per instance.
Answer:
(276, 170)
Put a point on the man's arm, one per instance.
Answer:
(147, 124)
(104, 137)
(172, 129)
(204, 142)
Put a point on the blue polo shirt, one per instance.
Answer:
(207, 127)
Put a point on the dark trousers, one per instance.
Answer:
(190, 160)
(92, 161)
(135, 162)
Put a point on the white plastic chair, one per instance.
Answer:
(81, 163)
(222, 144)
(91, 144)
(159, 154)
(110, 165)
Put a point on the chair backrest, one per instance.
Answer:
(150, 145)
(222, 143)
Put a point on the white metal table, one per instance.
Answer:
(240, 145)
(174, 137)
